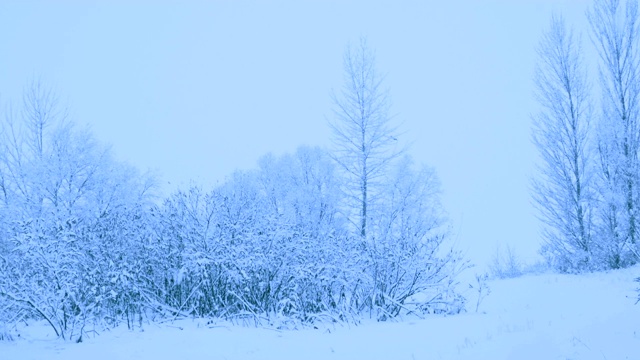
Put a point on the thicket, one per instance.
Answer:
(86, 243)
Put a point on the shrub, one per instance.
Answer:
(505, 264)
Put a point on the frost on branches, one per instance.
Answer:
(61, 244)
(588, 186)
(272, 244)
(85, 245)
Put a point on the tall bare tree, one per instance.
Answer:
(563, 192)
(365, 140)
(615, 34)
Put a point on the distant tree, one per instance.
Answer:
(25, 135)
(364, 138)
(303, 189)
(563, 190)
(615, 34)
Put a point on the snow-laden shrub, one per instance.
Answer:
(272, 244)
(10, 314)
(55, 217)
(44, 281)
(505, 264)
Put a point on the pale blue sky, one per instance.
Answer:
(196, 89)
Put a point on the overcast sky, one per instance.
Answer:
(196, 89)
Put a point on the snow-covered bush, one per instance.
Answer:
(406, 251)
(73, 272)
(47, 276)
(119, 264)
(60, 192)
(262, 244)
(272, 243)
(505, 264)
(10, 312)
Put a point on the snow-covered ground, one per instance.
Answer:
(550, 316)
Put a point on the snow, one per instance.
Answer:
(548, 316)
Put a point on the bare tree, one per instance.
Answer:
(25, 140)
(563, 192)
(615, 35)
(41, 109)
(394, 208)
(365, 140)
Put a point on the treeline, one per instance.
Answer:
(588, 135)
(86, 242)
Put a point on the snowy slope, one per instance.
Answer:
(550, 316)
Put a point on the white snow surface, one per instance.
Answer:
(548, 316)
